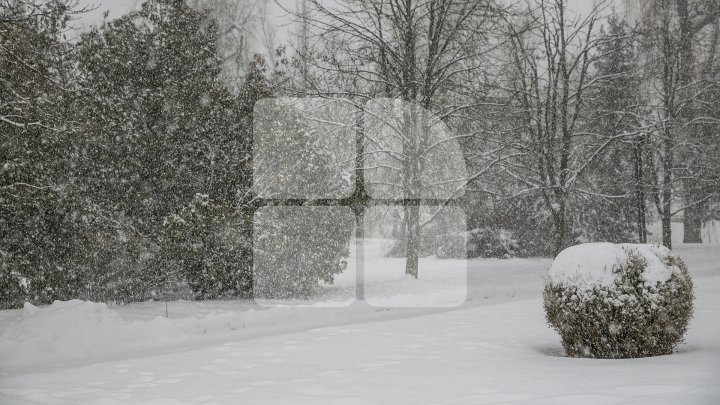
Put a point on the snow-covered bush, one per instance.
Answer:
(618, 301)
(479, 242)
(206, 246)
(297, 248)
(489, 242)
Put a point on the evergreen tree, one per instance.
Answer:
(616, 211)
(159, 129)
(38, 220)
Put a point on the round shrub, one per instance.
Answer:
(618, 301)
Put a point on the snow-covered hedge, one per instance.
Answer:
(296, 249)
(479, 242)
(490, 242)
(618, 301)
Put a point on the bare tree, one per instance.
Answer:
(411, 51)
(670, 30)
(550, 56)
(692, 22)
(243, 28)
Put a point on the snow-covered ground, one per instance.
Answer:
(494, 348)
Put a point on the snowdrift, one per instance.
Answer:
(64, 329)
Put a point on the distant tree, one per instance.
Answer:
(670, 35)
(242, 25)
(551, 53)
(621, 174)
(414, 52)
(696, 20)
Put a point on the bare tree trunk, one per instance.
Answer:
(693, 223)
(666, 211)
(666, 231)
(639, 191)
(412, 171)
(664, 190)
(560, 233)
(412, 212)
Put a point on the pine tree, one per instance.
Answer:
(159, 129)
(620, 173)
(37, 213)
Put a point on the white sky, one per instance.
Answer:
(117, 8)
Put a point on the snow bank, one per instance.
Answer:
(592, 264)
(65, 329)
(500, 354)
(80, 330)
(86, 332)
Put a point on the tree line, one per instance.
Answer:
(126, 153)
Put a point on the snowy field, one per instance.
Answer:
(392, 348)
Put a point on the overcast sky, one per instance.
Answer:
(117, 8)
